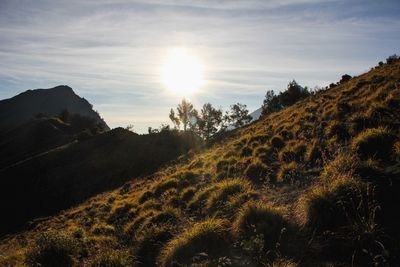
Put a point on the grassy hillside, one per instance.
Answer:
(67, 175)
(316, 184)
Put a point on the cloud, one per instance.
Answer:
(111, 52)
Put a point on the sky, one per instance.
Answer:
(112, 52)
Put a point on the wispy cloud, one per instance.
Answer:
(111, 51)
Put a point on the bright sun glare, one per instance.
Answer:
(182, 72)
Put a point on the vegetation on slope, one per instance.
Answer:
(305, 186)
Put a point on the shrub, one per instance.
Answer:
(259, 219)
(326, 206)
(52, 249)
(257, 172)
(112, 259)
(210, 237)
(165, 185)
(289, 172)
(374, 142)
(277, 142)
(225, 190)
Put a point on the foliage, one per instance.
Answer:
(293, 93)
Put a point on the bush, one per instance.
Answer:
(375, 142)
(277, 142)
(289, 173)
(210, 237)
(326, 206)
(259, 219)
(257, 172)
(53, 249)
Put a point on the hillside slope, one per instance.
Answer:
(316, 184)
(58, 178)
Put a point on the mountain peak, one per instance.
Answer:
(52, 101)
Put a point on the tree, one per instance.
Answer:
(175, 120)
(239, 115)
(391, 59)
(209, 121)
(345, 78)
(293, 93)
(271, 103)
(186, 115)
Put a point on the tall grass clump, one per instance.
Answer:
(259, 220)
(374, 142)
(149, 244)
(257, 172)
(165, 185)
(112, 259)
(53, 249)
(210, 237)
(289, 173)
(277, 142)
(293, 151)
(325, 207)
(225, 190)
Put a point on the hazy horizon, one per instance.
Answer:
(112, 52)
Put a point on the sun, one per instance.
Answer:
(182, 72)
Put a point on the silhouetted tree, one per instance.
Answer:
(293, 93)
(209, 121)
(239, 115)
(186, 115)
(175, 120)
(271, 103)
(345, 78)
(392, 59)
